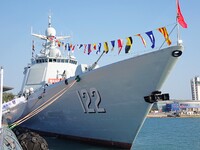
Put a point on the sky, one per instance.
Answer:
(93, 21)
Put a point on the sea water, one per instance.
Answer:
(156, 134)
(169, 134)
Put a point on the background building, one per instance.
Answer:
(184, 107)
(195, 88)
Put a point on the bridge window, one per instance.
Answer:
(73, 62)
(56, 60)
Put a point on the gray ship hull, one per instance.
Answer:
(107, 105)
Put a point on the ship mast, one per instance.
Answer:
(178, 28)
(50, 38)
(49, 22)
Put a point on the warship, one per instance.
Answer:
(107, 105)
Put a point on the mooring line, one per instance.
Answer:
(43, 106)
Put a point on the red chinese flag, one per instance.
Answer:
(180, 18)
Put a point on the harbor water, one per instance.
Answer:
(156, 134)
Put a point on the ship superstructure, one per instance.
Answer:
(49, 66)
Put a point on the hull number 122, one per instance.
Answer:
(90, 100)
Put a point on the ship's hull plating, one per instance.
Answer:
(107, 105)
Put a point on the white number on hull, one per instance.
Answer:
(86, 98)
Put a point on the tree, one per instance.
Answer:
(8, 96)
